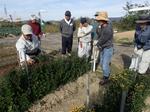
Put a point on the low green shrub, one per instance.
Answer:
(136, 86)
(19, 90)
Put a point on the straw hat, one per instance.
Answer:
(102, 16)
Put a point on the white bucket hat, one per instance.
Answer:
(26, 29)
(33, 17)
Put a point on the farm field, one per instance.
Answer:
(53, 42)
(72, 94)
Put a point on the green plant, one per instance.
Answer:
(19, 89)
(137, 88)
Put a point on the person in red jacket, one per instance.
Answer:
(36, 27)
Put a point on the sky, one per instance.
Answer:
(55, 9)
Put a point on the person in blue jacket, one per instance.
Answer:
(141, 58)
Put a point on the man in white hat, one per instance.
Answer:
(105, 44)
(141, 59)
(27, 45)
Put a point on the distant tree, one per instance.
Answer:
(130, 5)
(128, 21)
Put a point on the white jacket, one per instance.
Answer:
(85, 33)
(24, 46)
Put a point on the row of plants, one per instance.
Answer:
(5, 31)
(136, 86)
(18, 90)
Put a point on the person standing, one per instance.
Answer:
(67, 28)
(95, 51)
(141, 59)
(84, 35)
(36, 27)
(105, 44)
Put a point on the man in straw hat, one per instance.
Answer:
(141, 58)
(105, 44)
(27, 45)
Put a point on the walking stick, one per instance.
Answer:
(94, 58)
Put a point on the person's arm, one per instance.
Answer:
(144, 36)
(60, 27)
(22, 54)
(74, 26)
(82, 33)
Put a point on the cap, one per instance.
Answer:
(26, 29)
(68, 13)
(96, 14)
(83, 20)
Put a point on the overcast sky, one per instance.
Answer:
(55, 8)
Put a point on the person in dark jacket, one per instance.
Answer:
(141, 58)
(105, 44)
(67, 28)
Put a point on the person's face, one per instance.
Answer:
(85, 24)
(67, 18)
(142, 25)
(34, 21)
(28, 36)
(101, 22)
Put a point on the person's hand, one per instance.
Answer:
(31, 61)
(80, 25)
(96, 48)
(95, 42)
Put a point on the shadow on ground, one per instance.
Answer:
(126, 60)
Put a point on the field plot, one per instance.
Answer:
(52, 42)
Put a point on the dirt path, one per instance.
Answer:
(70, 96)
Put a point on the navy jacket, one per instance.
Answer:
(142, 38)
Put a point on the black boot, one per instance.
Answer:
(104, 81)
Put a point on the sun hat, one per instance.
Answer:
(102, 16)
(143, 19)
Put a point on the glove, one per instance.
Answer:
(95, 42)
(139, 46)
(100, 48)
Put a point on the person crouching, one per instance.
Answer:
(27, 46)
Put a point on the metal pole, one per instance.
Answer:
(87, 90)
(123, 101)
